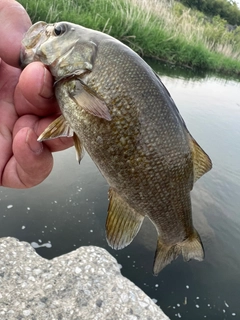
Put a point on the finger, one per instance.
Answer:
(38, 125)
(8, 115)
(34, 93)
(8, 80)
(30, 164)
(14, 23)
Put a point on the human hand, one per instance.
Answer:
(27, 106)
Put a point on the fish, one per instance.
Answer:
(117, 109)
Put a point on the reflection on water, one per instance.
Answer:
(69, 210)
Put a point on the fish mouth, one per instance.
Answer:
(32, 40)
(26, 56)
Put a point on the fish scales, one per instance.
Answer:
(148, 161)
(126, 120)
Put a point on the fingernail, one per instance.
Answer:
(34, 145)
(47, 85)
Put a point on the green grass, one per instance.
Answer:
(152, 28)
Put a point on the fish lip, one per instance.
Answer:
(23, 57)
(30, 43)
(27, 56)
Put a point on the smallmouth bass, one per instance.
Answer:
(116, 107)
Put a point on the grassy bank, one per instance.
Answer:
(153, 28)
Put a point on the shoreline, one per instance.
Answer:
(154, 29)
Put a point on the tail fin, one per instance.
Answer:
(191, 248)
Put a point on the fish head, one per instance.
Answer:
(66, 48)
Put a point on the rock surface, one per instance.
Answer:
(84, 284)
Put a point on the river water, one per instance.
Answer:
(68, 210)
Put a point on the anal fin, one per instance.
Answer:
(123, 223)
(191, 248)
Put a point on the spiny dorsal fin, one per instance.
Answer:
(88, 99)
(123, 223)
(191, 248)
(60, 128)
(201, 161)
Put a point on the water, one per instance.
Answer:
(69, 209)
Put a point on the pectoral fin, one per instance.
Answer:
(90, 101)
(201, 161)
(191, 248)
(123, 223)
(60, 128)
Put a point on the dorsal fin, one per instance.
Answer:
(201, 161)
(123, 223)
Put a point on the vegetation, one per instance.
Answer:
(153, 28)
(227, 10)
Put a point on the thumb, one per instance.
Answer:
(14, 23)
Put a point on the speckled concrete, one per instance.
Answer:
(83, 284)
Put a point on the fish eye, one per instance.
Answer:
(59, 29)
